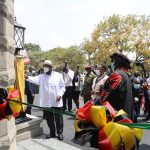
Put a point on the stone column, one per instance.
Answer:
(7, 135)
(7, 73)
(7, 43)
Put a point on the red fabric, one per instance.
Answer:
(13, 94)
(103, 96)
(15, 114)
(24, 54)
(114, 80)
(83, 113)
(127, 120)
(110, 108)
(143, 102)
(103, 141)
(2, 110)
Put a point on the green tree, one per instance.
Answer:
(73, 55)
(36, 57)
(119, 34)
(32, 47)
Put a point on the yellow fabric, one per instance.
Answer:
(138, 133)
(8, 117)
(98, 115)
(120, 112)
(10, 89)
(15, 107)
(127, 135)
(113, 134)
(116, 133)
(77, 129)
(19, 66)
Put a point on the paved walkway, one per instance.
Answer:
(40, 143)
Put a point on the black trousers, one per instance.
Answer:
(30, 100)
(147, 103)
(67, 96)
(54, 121)
(87, 98)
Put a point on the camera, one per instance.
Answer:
(139, 63)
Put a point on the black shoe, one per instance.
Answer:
(147, 118)
(60, 137)
(28, 112)
(70, 111)
(48, 136)
(141, 115)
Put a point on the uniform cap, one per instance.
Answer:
(88, 67)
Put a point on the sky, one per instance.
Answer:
(63, 23)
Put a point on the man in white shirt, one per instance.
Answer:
(52, 88)
(68, 76)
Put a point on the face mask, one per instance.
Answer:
(113, 66)
(46, 69)
(97, 72)
(33, 71)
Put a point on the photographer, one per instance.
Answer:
(68, 75)
(76, 88)
(137, 92)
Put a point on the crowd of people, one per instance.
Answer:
(115, 84)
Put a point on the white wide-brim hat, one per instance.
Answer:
(47, 62)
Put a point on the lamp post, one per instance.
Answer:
(19, 32)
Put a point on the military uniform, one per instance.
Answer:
(87, 87)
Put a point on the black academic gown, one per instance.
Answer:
(118, 92)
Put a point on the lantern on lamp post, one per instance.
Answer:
(19, 32)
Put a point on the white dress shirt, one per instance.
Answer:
(148, 81)
(68, 77)
(51, 86)
(98, 82)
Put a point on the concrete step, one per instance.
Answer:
(40, 143)
(29, 129)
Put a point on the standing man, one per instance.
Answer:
(30, 90)
(87, 86)
(117, 88)
(52, 88)
(137, 92)
(146, 86)
(68, 75)
(76, 88)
